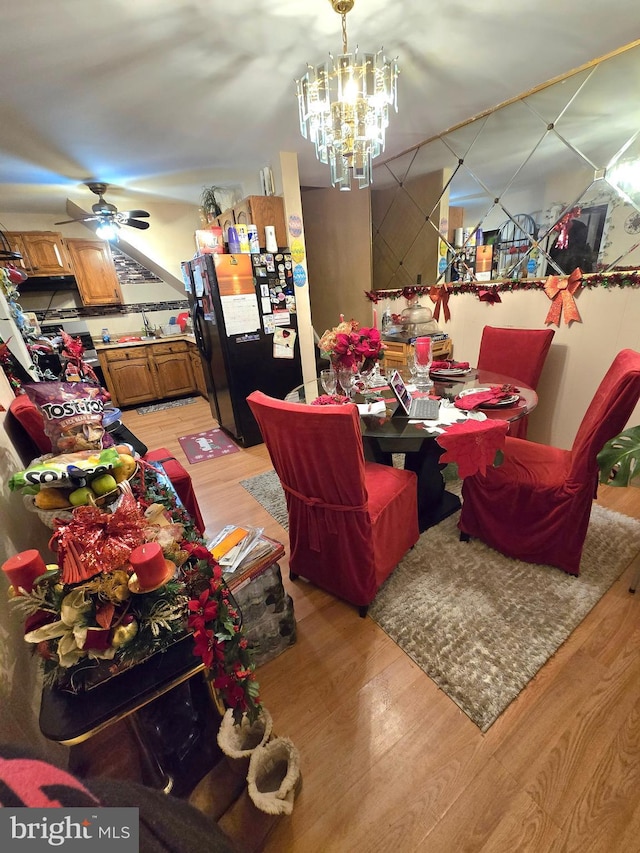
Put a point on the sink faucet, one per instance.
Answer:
(147, 325)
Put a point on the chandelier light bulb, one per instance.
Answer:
(344, 108)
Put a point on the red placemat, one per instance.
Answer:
(200, 446)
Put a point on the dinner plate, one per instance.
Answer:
(508, 401)
(451, 371)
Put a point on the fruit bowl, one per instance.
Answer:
(107, 500)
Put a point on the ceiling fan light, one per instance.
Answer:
(107, 230)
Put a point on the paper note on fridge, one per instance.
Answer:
(283, 342)
(240, 313)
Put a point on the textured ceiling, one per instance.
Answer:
(162, 97)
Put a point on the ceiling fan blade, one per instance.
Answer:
(135, 214)
(135, 223)
(67, 221)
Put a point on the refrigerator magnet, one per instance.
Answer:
(283, 343)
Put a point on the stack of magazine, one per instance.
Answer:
(236, 548)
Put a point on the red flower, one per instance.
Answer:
(204, 645)
(198, 552)
(202, 610)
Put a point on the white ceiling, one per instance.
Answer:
(161, 97)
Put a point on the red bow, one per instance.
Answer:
(440, 296)
(491, 296)
(561, 293)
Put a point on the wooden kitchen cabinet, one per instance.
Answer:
(148, 372)
(395, 354)
(95, 272)
(128, 374)
(173, 371)
(263, 210)
(259, 210)
(43, 252)
(198, 371)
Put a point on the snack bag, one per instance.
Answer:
(72, 415)
(63, 469)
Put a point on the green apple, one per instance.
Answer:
(81, 496)
(103, 484)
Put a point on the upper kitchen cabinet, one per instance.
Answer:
(95, 272)
(259, 210)
(263, 210)
(43, 252)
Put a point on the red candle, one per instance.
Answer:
(23, 568)
(149, 564)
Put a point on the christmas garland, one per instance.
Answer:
(88, 632)
(621, 278)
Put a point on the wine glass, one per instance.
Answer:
(411, 365)
(329, 381)
(346, 378)
(423, 360)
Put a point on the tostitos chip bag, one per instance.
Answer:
(72, 414)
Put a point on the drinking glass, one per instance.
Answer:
(329, 380)
(423, 360)
(346, 378)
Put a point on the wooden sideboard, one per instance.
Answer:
(395, 354)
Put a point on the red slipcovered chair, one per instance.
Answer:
(35, 442)
(536, 505)
(519, 353)
(350, 521)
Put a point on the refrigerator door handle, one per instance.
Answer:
(200, 332)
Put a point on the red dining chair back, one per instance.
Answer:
(519, 353)
(536, 505)
(350, 521)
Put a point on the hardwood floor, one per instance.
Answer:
(389, 762)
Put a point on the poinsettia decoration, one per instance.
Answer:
(348, 346)
(473, 445)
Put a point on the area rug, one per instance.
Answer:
(200, 446)
(170, 404)
(479, 624)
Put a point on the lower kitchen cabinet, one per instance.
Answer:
(128, 375)
(198, 371)
(147, 372)
(173, 371)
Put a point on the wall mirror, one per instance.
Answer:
(544, 184)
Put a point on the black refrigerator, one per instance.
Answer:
(244, 319)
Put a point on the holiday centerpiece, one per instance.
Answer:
(127, 585)
(350, 347)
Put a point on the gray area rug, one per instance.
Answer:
(479, 624)
(171, 404)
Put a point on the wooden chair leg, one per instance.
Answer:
(464, 537)
(634, 582)
(363, 610)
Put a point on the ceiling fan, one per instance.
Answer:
(107, 216)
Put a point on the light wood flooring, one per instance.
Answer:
(389, 762)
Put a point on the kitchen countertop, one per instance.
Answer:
(115, 344)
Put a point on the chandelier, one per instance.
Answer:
(344, 108)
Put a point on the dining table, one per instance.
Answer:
(386, 433)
